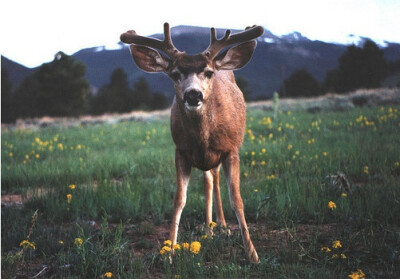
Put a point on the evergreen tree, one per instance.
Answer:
(141, 94)
(7, 114)
(57, 88)
(115, 96)
(359, 67)
(301, 83)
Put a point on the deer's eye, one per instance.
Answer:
(208, 74)
(176, 76)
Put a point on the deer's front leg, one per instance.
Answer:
(232, 172)
(183, 169)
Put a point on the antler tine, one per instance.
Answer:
(131, 37)
(216, 45)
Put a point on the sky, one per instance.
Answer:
(33, 31)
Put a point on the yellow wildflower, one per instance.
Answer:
(78, 241)
(263, 150)
(366, 171)
(325, 153)
(72, 186)
(165, 249)
(176, 247)
(331, 205)
(168, 242)
(185, 245)
(28, 244)
(60, 242)
(344, 195)
(108, 275)
(359, 274)
(195, 247)
(69, 198)
(343, 256)
(335, 256)
(336, 244)
(326, 249)
(290, 146)
(212, 225)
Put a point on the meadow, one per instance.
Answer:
(321, 194)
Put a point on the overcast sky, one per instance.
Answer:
(32, 31)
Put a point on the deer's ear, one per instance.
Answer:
(148, 59)
(236, 57)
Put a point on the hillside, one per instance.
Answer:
(274, 60)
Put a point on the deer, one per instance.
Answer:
(208, 116)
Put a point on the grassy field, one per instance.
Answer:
(321, 194)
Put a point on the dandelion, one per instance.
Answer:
(336, 244)
(246, 174)
(255, 190)
(366, 171)
(331, 205)
(37, 156)
(325, 154)
(108, 275)
(195, 247)
(359, 274)
(69, 198)
(212, 225)
(168, 242)
(72, 186)
(290, 146)
(343, 256)
(263, 150)
(61, 242)
(185, 245)
(78, 241)
(28, 244)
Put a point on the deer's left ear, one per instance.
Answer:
(236, 57)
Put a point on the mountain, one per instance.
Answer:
(274, 59)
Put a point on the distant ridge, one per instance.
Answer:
(274, 60)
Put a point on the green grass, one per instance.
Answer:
(122, 203)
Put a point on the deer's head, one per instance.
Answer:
(192, 75)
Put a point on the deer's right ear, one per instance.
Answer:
(148, 59)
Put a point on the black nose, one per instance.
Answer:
(193, 97)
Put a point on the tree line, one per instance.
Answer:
(59, 88)
(359, 67)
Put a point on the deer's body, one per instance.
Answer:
(207, 137)
(208, 116)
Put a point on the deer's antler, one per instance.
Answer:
(130, 37)
(216, 45)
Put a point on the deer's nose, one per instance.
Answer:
(193, 97)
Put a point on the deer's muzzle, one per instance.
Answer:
(193, 98)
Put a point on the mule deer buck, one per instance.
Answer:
(208, 115)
